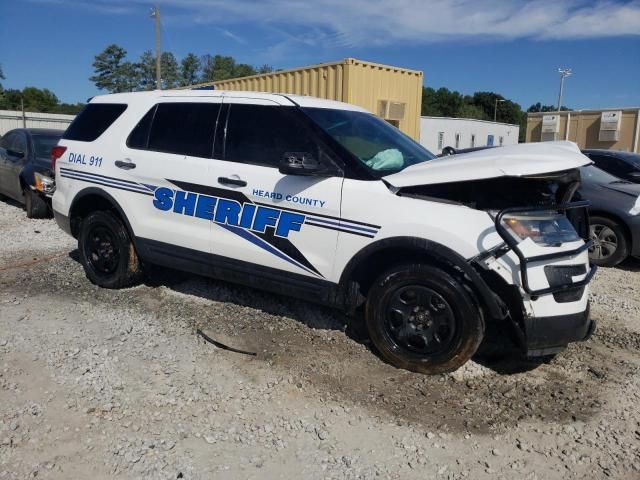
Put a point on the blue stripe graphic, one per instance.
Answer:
(92, 176)
(247, 235)
(107, 184)
(341, 225)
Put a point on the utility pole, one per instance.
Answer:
(24, 117)
(155, 13)
(495, 109)
(564, 72)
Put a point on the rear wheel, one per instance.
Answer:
(422, 319)
(610, 244)
(35, 205)
(107, 253)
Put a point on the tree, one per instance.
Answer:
(36, 100)
(169, 70)
(189, 70)
(219, 67)
(2, 77)
(146, 68)
(538, 107)
(113, 73)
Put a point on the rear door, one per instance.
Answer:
(263, 217)
(169, 152)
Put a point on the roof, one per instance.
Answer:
(262, 97)
(470, 120)
(39, 131)
(593, 110)
(345, 61)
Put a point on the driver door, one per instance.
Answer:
(284, 222)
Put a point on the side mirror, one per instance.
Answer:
(15, 153)
(300, 163)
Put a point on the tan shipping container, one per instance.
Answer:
(392, 93)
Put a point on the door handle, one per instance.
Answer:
(125, 165)
(232, 181)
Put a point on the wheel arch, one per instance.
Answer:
(92, 199)
(360, 272)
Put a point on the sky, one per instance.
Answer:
(513, 47)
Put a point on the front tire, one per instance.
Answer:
(107, 253)
(610, 242)
(35, 205)
(422, 319)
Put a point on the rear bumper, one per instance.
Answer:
(550, 335)
(63, 222)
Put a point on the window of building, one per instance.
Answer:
(261, 135)
(458, 137)
(473, 140)
(501, 140)
(182, 128)
(440, 140)
(490, 140)
(93, 120)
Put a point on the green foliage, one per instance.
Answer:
(2, 77)
(189, 68)
(36, 100)
(113, 73)
(538, 107)
(218, 67)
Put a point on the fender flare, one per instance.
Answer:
(101, 193)
(437, 251)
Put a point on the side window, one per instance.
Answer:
(261, 135)
(473, 140)
(458, 136)
(619, 167)
(440, 140)
(139, 136)
(184, 128)
(93, 120)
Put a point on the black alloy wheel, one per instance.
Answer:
(107, 253)
(422, 319)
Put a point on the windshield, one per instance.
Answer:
(595, 175)
(380, 147)
(42, 145)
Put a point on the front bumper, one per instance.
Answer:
(550, 335)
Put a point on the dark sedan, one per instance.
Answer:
(624, 165)
(25, 168)
(615, 216)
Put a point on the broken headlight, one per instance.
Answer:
(544, 228)
(44, 184)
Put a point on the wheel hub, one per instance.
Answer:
(420, 320)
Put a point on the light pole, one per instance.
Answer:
(564, 72)
(495, 108)
(155, 13)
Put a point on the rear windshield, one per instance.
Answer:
(93, 120)
(42, 145)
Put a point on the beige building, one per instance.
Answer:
(392, 93)
(613, 129)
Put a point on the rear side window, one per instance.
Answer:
(261, 135)
(93, 120)
(182, 128)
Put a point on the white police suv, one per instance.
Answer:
(324, 201)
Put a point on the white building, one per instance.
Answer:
(439, 132)
(10, 119)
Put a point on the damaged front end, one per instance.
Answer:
(540, 268)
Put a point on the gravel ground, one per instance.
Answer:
(101, 384)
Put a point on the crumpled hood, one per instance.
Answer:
(511, 161)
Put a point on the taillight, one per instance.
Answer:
(56, 153)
